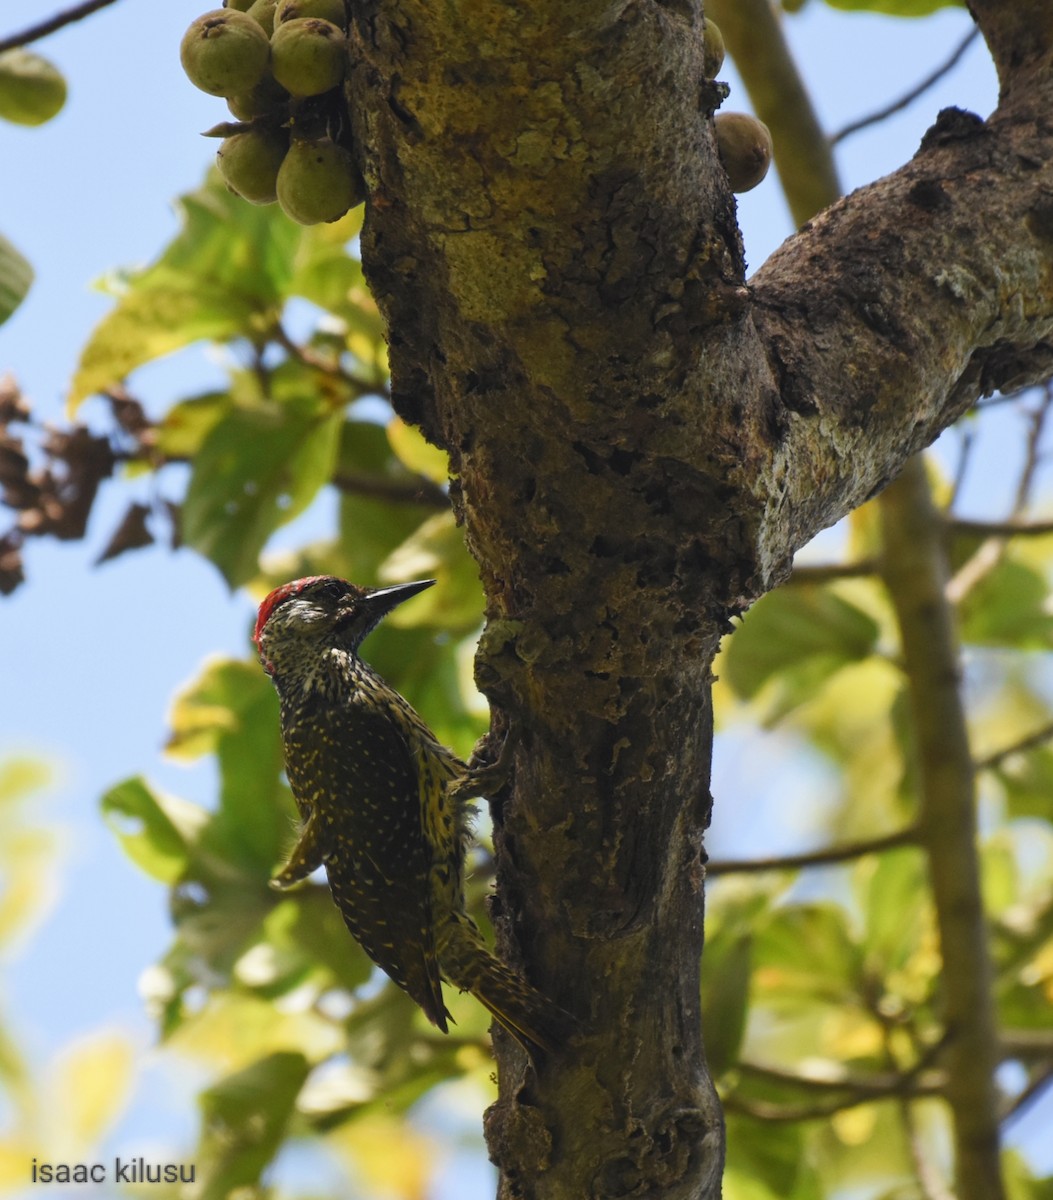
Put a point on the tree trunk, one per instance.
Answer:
(639, 442)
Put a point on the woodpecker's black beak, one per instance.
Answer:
(381, 601)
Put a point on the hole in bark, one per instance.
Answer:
(592, 460)
(623, 461)
(603, 547)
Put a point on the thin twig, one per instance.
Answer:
(875, 1087)
(990, 553)
(968, 443)
(1034, 1091)
(1000, 529)
(1028, 742)
(811, 573)
(765, 1110)
(908, 97)
(419, 490)
(309, 358)
(1036, 418)
(828, 857)
(1026, 1043)
(928, 1178)
(35, 32)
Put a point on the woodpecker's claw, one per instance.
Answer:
(486, 777)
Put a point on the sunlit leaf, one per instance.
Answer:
(390, 1157)
(726, 967)
(798, 636)
(436, 550)
(234, 1028)
(1028, 782)
(309, 922)
(416, 453)
(1008, 607)
(895, 8)
(894, 897)
(16, 277)
(244, 1118)
(236, 500)
(90, 1088)
(224, 276)
(806, 950)
(232, 710)
(186, 424)
(156, 831)
(772, 1159)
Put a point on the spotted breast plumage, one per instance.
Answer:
(383, 806)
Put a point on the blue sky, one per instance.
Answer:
(92, 657)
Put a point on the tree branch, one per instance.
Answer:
(1043, 734)
(1000, 529)
(35, 32)
(917, 1081)
(908, 97)
(831, 856)
(915, 573)
(814, 573)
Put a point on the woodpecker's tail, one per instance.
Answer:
(531, 1018)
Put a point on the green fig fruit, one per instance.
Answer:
(328, 10)
(318, 181)
(308, 55)
(712, 48)
(224, 52)
(263, 11)
(268, 98)
(249, 163)
(240, 5)
(32, 89)
(745, 149)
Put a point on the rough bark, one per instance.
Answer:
(640, 442)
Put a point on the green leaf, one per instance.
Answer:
(224, 276)
(257, 468)
(328, 275)
(32, 90)
(1008, 607)
(157, 832)
(416, 453)
(244, 1120)
(805, 952)
(307, 929)
(726, 966)
(767, 1152)
(1028, 782)
(895, 8)
(436, 550)
(16, 277)
(186, 424)
(810, 630)
(893, 892)
(231, 710)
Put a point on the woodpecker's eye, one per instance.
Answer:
(334, 590)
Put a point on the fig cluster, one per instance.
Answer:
(743, 142)
(280, 65)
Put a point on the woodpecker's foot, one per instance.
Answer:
(485, 776)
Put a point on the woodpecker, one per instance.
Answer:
(383, 806)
